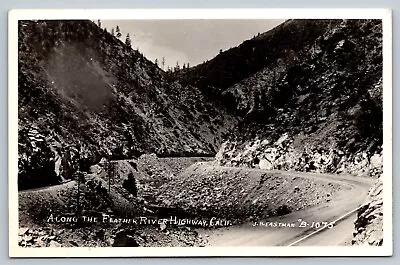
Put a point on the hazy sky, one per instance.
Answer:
(188, 41)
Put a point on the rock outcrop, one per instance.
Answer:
(369, 223)
(287, 154)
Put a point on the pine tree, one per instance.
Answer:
(112, 32)
(163, 63)
(187, 67)
(128, 40)
(177, 67)
(118, 32)
(156, 62)
(99, 23)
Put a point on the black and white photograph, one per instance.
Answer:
(198, 133)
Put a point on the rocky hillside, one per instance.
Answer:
(307, 95)
(369, 223)
(84, 94)
(312, 103)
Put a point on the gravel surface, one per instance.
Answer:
(236, 194)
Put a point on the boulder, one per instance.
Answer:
(265, 164)
(54, 244)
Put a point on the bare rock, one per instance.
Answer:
(54, 244)
(369, 223)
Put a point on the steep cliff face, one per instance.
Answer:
(83, 94)
(317, 109)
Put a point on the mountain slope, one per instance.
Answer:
(84, 94)
(285, 42)
(308, 94)
(314, 105)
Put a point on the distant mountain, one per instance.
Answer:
(84, 94)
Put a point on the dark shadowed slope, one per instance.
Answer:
(83, 93)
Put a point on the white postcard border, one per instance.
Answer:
(273, 13)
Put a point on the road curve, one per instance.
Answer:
(341, 211)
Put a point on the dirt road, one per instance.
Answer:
(330, 223)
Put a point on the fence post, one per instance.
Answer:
(109, 176)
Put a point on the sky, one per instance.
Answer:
(188, 41)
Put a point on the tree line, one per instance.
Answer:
(128, 42)
(117, 33)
